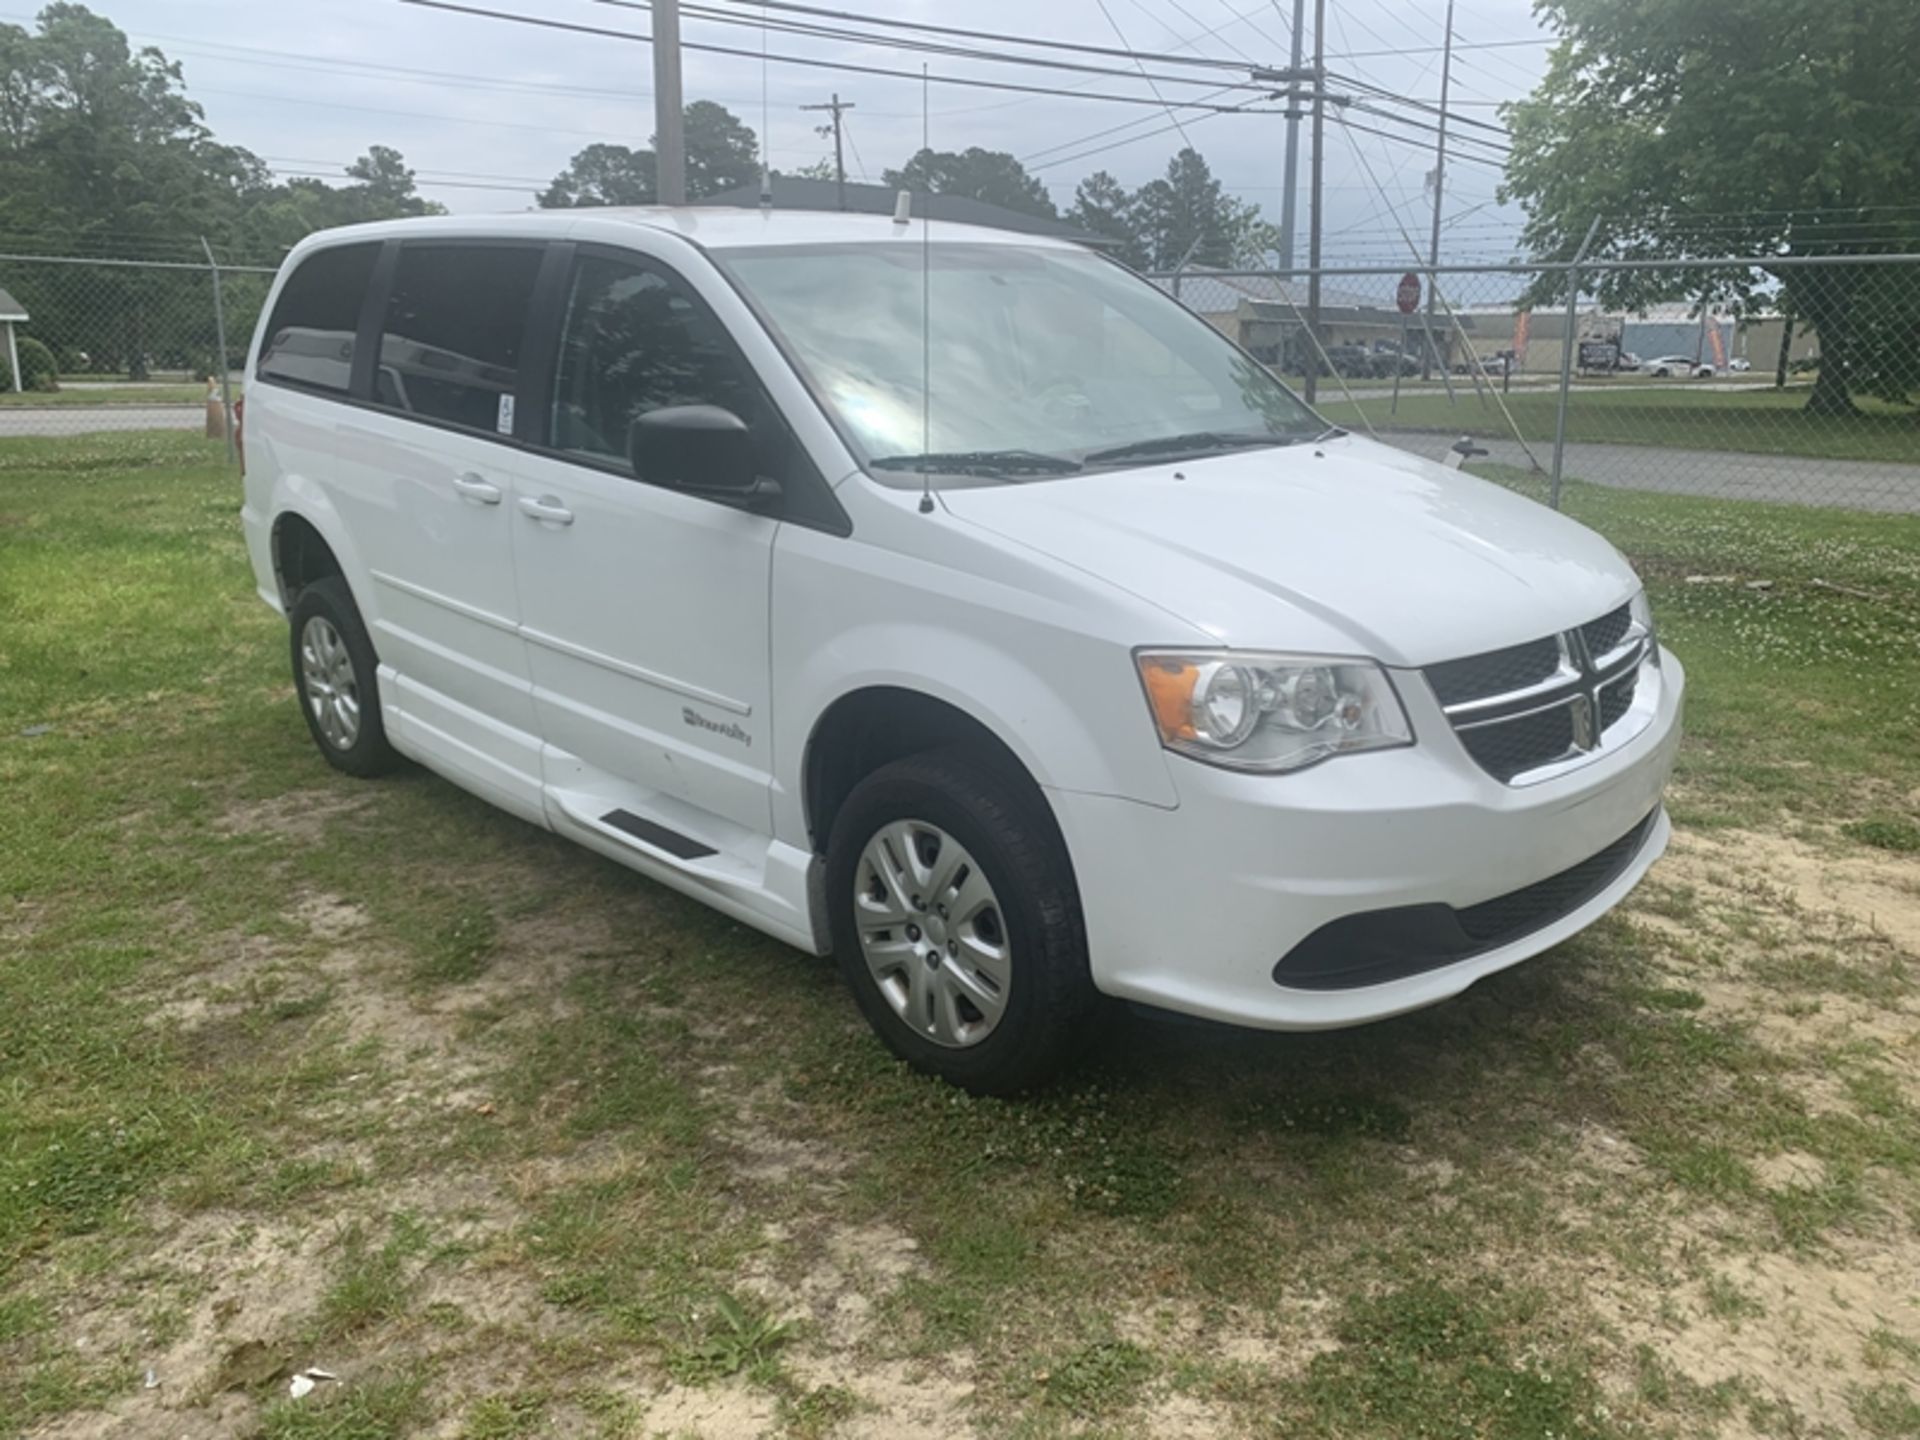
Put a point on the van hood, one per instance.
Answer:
(1346, 547)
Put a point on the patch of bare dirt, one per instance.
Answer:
(1878, 893)
(1804, 947)
(719, 1412)
(1279, 1341)
(1806, 1347)
(302, 815)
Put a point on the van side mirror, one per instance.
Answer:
(702, 449)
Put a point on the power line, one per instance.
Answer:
(403, 114)
(1129, 140)
(1001, 37)
(1394, 97)
(1436, 49)
(1101, 134)
(1475, 159)
(815, 31)
(1121, 36)
(848, 67)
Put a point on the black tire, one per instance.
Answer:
(329, 600)
(1002, 823)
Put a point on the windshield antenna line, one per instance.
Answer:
(926, 310)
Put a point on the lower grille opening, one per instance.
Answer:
(1376, 946)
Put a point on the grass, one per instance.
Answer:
(1753, 419)
(127, 394)
(298, 1070)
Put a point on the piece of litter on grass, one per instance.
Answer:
(1711, 579)
(1759, 584)
(36, 730)
(303, 1383)
(152, 1381)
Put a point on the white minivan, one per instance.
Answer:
(957, 604)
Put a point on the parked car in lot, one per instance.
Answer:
(1670, 365)
(1350, 360)
(1384, 362)
(1739, 365)
(1053, 651)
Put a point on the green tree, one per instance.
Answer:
(989, 175)
(1759, 127)
(1187, 215)
(722, 153)
(1103, 208)
(102, 153)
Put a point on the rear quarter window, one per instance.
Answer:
(309, 336)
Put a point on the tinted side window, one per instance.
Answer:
(310, 335)
(634, 341)
(454, 332)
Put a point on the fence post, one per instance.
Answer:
(220, 339)
(1566, 362)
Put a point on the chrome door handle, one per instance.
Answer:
(547, 508)
(472, 487)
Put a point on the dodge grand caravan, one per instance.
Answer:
(956, 604)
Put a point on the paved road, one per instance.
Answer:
(1728, 475)
(18, 420)
(1724, 474)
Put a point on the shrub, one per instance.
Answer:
(37, 370)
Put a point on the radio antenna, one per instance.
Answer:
(926, 309)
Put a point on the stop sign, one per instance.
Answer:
(1407, 297)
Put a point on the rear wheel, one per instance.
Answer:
(334, 675)
(956, 922)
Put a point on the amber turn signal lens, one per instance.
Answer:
(1170, 692)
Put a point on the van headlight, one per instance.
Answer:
(1248, 710)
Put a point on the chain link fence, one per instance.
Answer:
(101, 345)
(1780, 380)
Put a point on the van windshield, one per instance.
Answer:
(1041, 361)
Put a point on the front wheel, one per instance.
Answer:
(957, 924)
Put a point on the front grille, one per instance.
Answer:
(1514, 668)
(1523, 708)
(1376, 946)
(1517, 746)
(1617, 699)
(1606, 633)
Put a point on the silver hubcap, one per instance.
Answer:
(333, 694)
(933, 934)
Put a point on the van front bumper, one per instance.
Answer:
(1366, 886)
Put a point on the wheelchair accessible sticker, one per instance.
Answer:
(505, 423)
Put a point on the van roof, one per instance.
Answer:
(715, 227)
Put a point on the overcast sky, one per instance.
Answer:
(475, 103)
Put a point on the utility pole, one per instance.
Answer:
(1439, 187)
(1313, 200)
(839, 164)
(669, 123)
(1288, 197)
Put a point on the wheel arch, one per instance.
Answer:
(307, 542)
(878, 724)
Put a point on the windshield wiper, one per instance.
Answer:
(1332, 432)
(1197, 442)
(980, 462)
